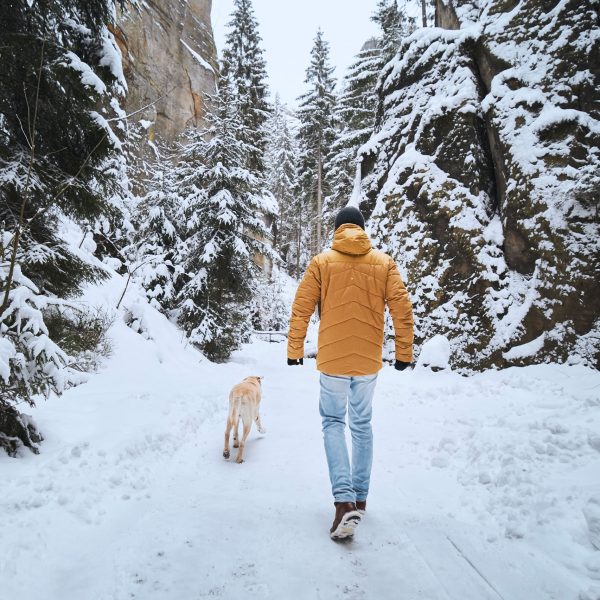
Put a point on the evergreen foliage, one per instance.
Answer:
(226, 232)
(357, 105)
(59, 157)
(395, 24)
(316, 136)
(356, 112)
(244, 66)
(282, 177)
(158, 247)
(76, 170)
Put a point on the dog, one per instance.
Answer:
(244, 400)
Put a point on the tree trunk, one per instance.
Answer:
(298, 238)
(319, 199)
(424, 12)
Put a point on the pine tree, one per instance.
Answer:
(158, 247)
(357, 106)
(395, 23)
(59, 157)
(316, 136)
(227, 234)
(355, 113)
(282, 173)
(244, 65)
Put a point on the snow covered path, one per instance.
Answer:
(477, 491)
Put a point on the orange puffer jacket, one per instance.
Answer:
(352, 282)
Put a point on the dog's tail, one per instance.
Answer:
(235, 404)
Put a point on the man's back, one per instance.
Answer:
(352, 283)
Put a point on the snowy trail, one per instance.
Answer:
(477, 487)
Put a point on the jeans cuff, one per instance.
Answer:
(344, 498)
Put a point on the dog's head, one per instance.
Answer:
(255, 378)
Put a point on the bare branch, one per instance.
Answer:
(139, 110)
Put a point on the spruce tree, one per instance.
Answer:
(244, 65)
(316, 136)
(60, 158)
(357, 106)
(355, 113)
(158, 248)
(282, 172)
(227, 235)
(394, 23)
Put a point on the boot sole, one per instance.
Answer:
(347, 526)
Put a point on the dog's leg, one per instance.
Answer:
(232, 418)
(236, 432)
(240, 455)
(259, 426)
(227, 433)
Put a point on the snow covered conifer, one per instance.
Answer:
(158, 247)
(225, 207)
(357, 105)
(316, 135)
(60, 159)
(244, 65)
(395, 24)
(355, 113)
(282, 173)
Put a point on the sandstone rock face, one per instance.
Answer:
(170, 61)
(483, 179)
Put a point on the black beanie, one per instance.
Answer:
(350, 214)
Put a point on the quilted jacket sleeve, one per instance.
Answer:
(307, 296)
(400, 308)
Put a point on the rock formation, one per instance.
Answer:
(170, 63)
(483, 179)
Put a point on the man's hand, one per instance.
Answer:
(400, 366)
(295, 361)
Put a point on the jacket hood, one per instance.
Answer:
(351, 239)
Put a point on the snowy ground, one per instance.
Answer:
(478, 490)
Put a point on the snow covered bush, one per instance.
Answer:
(271, 301)
(31, 363)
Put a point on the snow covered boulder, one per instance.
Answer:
(435, 353)
(17, 430)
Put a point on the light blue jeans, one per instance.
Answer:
(356, 393)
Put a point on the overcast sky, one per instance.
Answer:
(288, 28)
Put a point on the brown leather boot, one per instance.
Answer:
(345, 521)
(361, 506)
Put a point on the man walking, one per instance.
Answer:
(351, 283)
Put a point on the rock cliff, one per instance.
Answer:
(483, 179)
(170, 63)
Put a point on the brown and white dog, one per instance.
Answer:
(244, 401)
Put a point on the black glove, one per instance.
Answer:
(400, 366)
(295, 361)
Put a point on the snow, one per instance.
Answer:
(435, 353)
(483, 486)
(356, 190)
(528, 349)
(112, 59)
(198, 58)
(88, 77)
